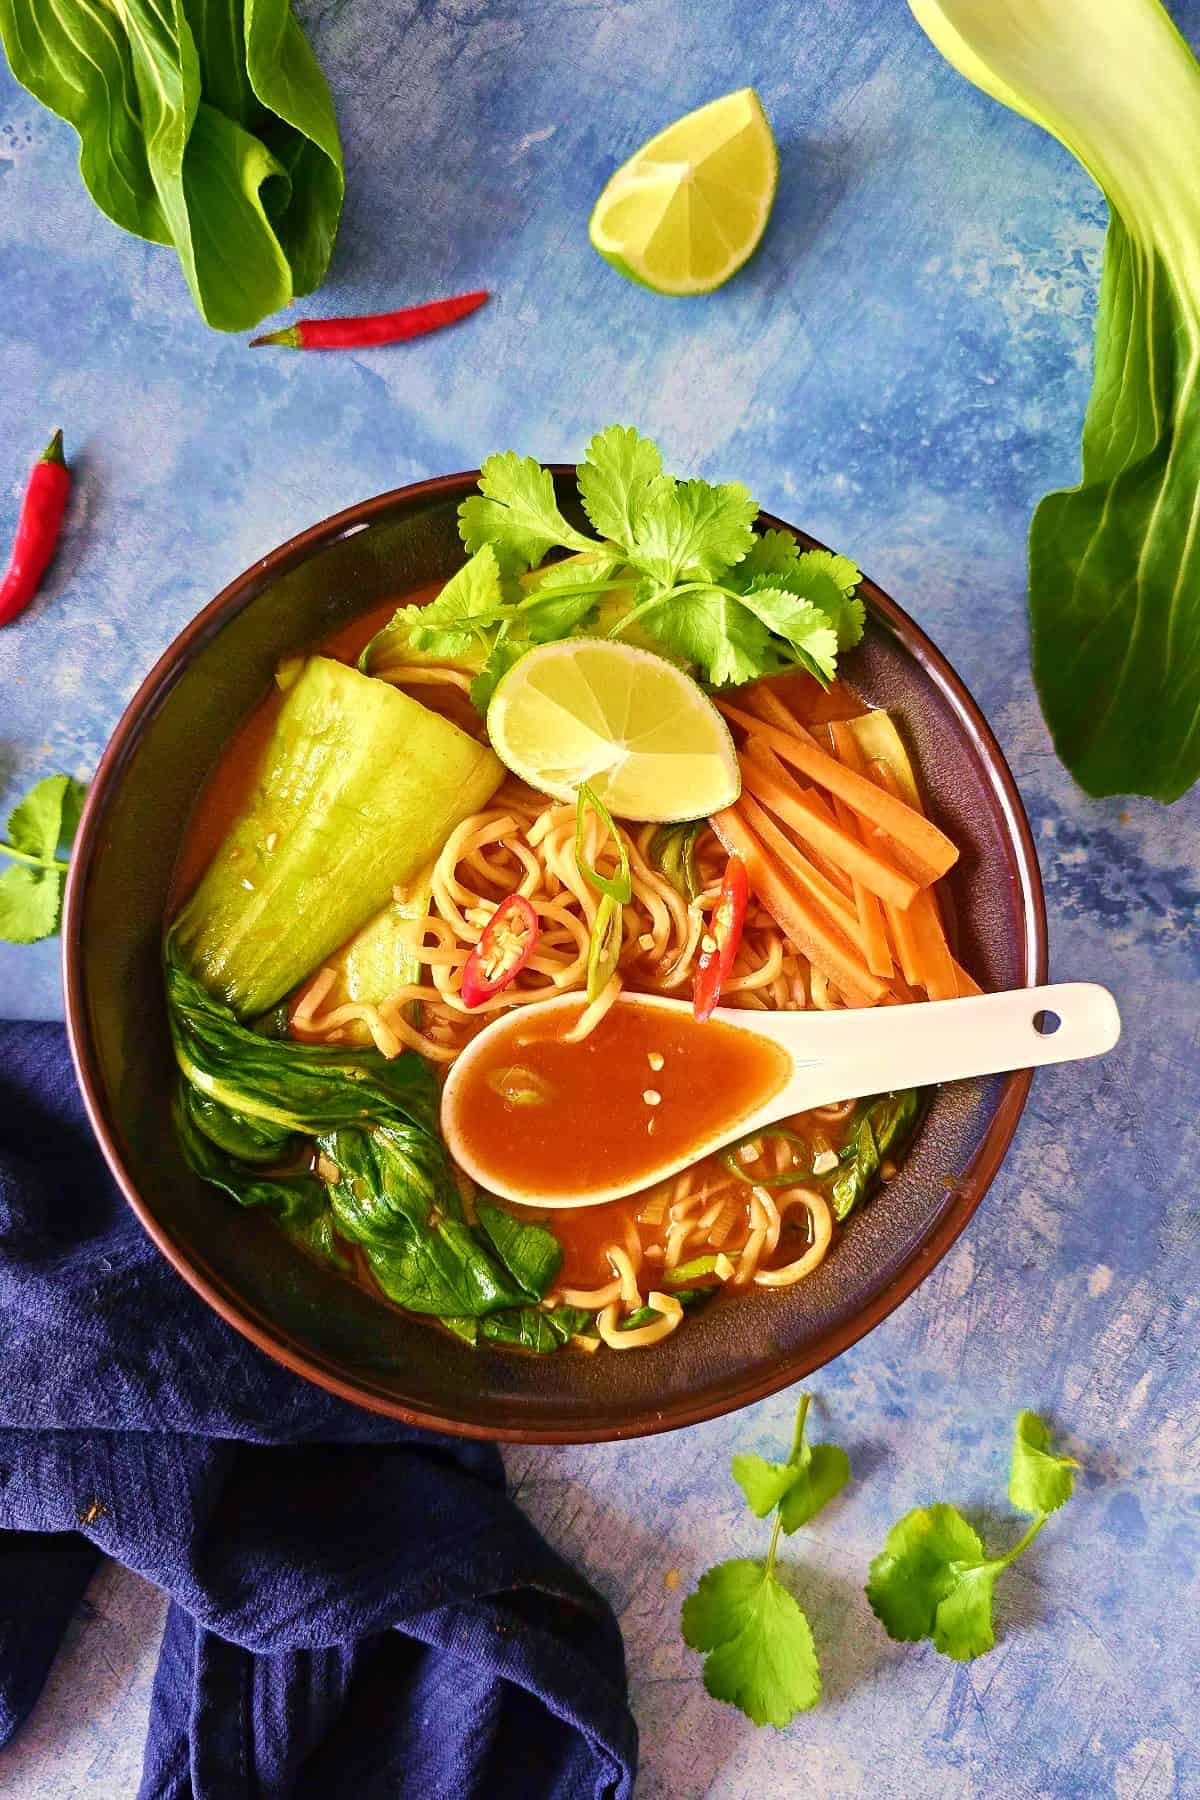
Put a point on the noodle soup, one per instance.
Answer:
(762, 1214)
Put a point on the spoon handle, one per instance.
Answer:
(845, 1055)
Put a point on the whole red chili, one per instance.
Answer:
(718, 946)
(375, 328)
(506, 946)
(37, 529)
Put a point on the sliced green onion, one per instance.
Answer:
(604, 946)
(788, 1178)
(673, 854)
(519, 1086)
(618, 887)
(699, 1265)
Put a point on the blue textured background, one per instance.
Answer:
(902, 370)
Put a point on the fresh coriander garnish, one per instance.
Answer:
(934, 1579)
(31, 888)
(677, 566)
(758, 1648)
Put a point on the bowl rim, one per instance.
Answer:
(780, 1373)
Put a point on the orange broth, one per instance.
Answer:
(550, 1116)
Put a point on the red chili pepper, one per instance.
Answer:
(37, 529)
(374, 328)
(724, 934)
(506, 946)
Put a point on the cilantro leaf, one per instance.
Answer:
(453, 624)
(31, 889)
(759, 1651)
(927, 1553)
(829, 581)
(800, 624)
(1039, 1481)
(823, 578)
(933, 1577)
(30, 901)
(824, 1472)
(801, 1486)
(46, 817)
(771, 553)
(713, 630)
(619, 472)
(692, 529)
(504, 653)
(556, 607)
(517, 513)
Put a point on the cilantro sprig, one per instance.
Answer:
(677, 565)
(758, 1647)
(40, 831)
(934, 1579)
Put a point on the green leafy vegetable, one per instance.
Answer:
(800, 1487)
(758, 1648)
(297, 1200)
(882, 1128)
(691, 530)
(1114, 563)
(516, 512)
(678, 569)
(933, 1579)
(208, 127)
(457, 622)
(1038, 1481)
(250, 1108)
(358, 788)
(41, 828)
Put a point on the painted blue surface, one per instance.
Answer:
(902, 370)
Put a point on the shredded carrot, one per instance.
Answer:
(917, 933)
(872, 933)
(910, 828)
(787, 800)
(838, 877)
(825, 946)
(766, 705)
(798, 866)
(967, 984)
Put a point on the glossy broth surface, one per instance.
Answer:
(645, 1088)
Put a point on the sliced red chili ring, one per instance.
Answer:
(507, 943)
(719, 945)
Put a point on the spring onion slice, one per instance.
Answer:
(788, 1178)
(618, 887)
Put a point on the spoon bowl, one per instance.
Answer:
(812, 1059)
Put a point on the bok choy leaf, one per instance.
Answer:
(1114, 563)
(358, 788)
(202, 125)
(250, 1113)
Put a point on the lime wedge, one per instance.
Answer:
(689, 208)
(633, 725)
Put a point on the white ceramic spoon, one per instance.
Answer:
(836, 1056)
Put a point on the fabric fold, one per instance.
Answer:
(355, 1605)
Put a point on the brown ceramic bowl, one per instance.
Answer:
(331, 1331)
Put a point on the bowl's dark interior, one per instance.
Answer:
(735, 1352)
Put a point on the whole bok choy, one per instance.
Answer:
(1114, 564)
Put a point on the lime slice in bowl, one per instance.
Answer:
(689, 208)
(651, 744)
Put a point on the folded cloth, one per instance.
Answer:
(356, 1606)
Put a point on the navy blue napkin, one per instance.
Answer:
(356, 1607)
